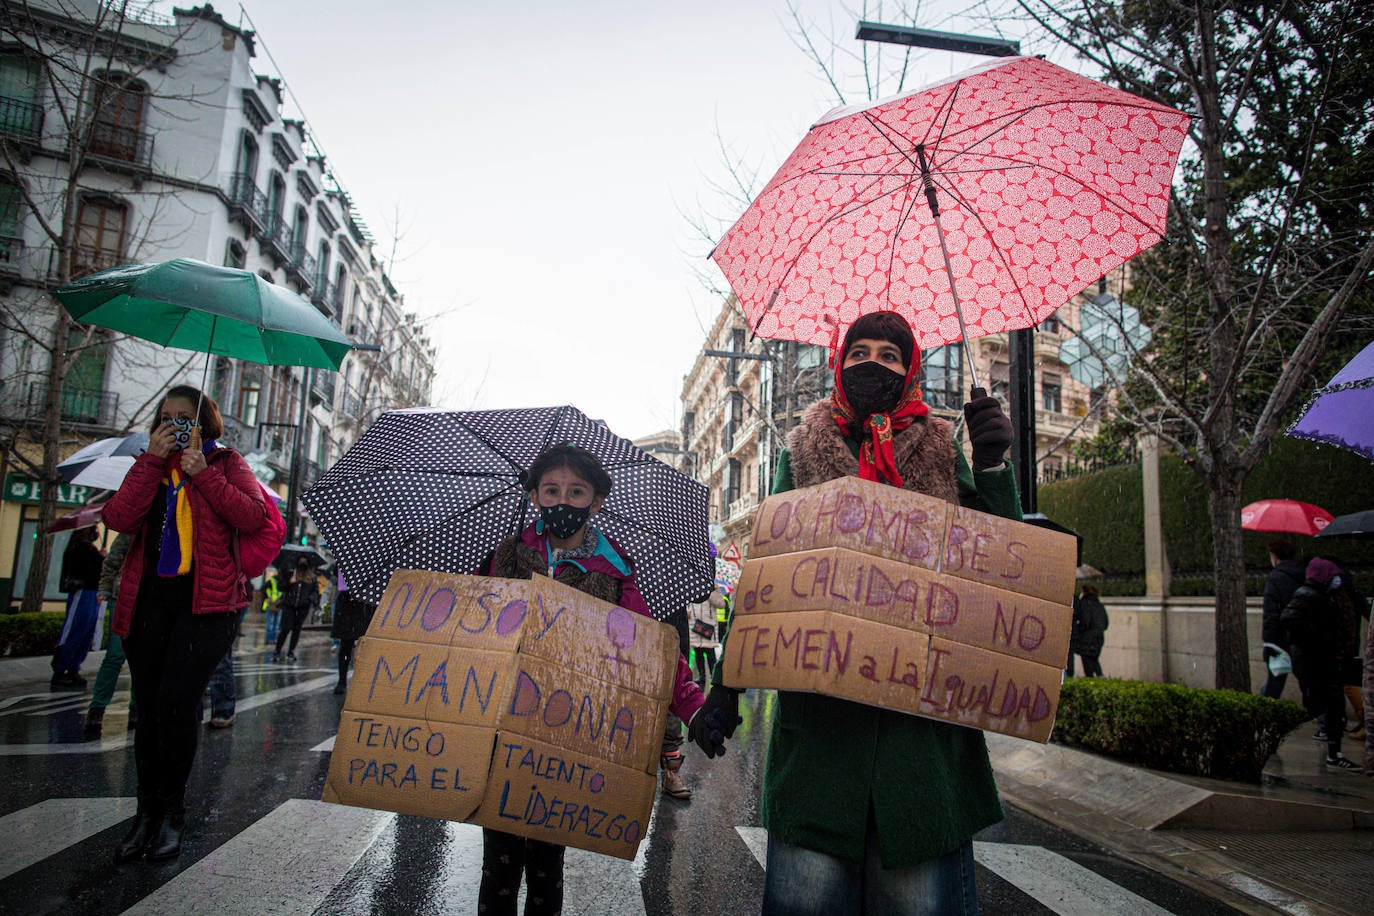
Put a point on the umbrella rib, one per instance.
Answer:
(1001, 255)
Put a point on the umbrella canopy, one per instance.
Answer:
(83, 517)
(1284, 515)
(432, 489)
(291, 554)
(123, 449)
(191, 305)
(1087, 572)
(1023, 181)
(1357, 526)
(1342, 412)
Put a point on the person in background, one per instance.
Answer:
(183, 503)
(107, 675)
(301, 596)
(1368, 685)
(1089, 630)
(80, 577)
(1315, 630)
(704, 628)
(352, 617)
(567, 486)
(271, 604)
(670, 758)
(867, 809)
(1286, 573)
(223, 691)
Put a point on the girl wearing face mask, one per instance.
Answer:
(178, 598)
(567, 486)
(864, 804)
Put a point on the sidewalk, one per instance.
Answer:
(1300, 842)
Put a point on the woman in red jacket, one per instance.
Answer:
(178, 598)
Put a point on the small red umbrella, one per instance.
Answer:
(83, 517)
(1284, 515)
(1020, 180)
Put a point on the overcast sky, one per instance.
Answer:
(535, 160)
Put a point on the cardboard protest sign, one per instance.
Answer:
(894, 599)
(521, 705)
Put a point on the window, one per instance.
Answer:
(300, 228)
(1051, 324)
(250, 394)
(235, 255)
(1051, 393)
(19, 110)
(942, 376)
(322, 268)
(732, 481)
(99, 235)
(85, 384)
(246, 165)
(276, 203)
(222, 385)
(689, 422)
(117, 119)
(11, 240)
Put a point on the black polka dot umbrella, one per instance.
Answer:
(435, 489)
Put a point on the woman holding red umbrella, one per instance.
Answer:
(870, 810)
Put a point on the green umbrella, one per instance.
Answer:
(191, 305)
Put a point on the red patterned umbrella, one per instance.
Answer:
(1022, 180)
(82, 517)
(1284, 515)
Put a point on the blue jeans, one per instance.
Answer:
(273, 623)
(222, 692)
(802, 881)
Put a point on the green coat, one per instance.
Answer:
(928, 783)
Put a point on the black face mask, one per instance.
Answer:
(871, 387)
(563, 521)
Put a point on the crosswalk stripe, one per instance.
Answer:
(756, 838)
(36, 832)
(124, 739)
(1060, 883)
(286, 862)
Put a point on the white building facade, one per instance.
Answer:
(167, 142)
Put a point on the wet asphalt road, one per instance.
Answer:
(699, 857)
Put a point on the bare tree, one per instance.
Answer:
(92, 67)
(1271, 231)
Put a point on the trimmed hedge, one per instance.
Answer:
(30, 634)
(1106, 508)
(1223, 734)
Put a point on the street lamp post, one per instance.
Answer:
(1020, 344)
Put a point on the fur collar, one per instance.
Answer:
(924, 453)
(514, 560)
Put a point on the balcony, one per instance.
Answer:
(79, 405)
(247, 205)
(87, 259)
(119, 146)
(300, 269)
(11, 261)
(310, 472)
(323, 385)
(322, 294)
(20, 118)
(276, 239)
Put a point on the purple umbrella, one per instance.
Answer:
(1342, 412)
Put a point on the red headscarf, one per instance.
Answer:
(877, 461)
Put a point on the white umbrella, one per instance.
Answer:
(119, 451)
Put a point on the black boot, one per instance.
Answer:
(94, 717)
(136, 840)
(167, 844)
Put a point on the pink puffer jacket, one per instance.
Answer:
(225, 497)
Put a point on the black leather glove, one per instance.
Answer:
(713, 723)
(724, 700)
(989, 431)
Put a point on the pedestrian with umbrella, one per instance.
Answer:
(300, 597)
(863, 803)
(568, 486)
(178, 598)
(80, 577)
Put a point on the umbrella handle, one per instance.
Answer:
(977, 393)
